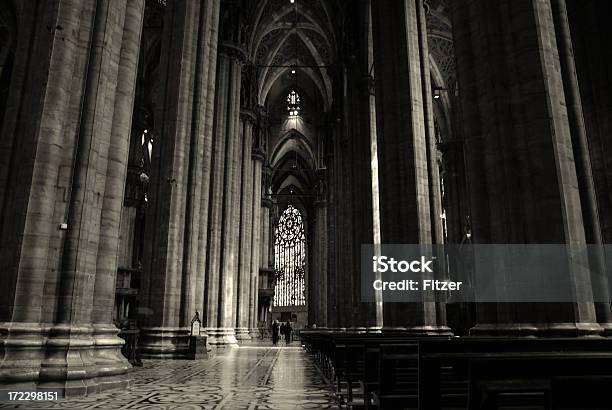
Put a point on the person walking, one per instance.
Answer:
(282, 329)
(275, 330)
(288, 330)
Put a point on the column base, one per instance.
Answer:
(164, 342)
(606, 329)
(255, 333)
(242, 333)
(356, 330)
(222, 337)
(419, 330)
(537, 329)
(76, 359)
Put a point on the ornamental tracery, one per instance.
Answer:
(290, 259)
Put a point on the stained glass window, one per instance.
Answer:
(290, 259)
(293, 104)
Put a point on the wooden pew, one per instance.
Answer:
(512, 372)
(375, 365)
(398, 376)
(402, 371)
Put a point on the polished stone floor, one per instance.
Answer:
(250, 377)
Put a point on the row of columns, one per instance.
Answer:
(527, 158)
(528, 172)
(172, 288)
(383, 174)
(205, 203)
(65, 143)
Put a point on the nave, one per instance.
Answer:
(179, 175)
(250, 377)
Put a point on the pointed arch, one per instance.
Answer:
(290, 259)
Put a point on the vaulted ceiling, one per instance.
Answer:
(440, 40)
(298, 34)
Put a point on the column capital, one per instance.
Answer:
(266, 202)
(234, 51)
(258, 155)
(247, 114)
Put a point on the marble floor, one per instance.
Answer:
(249, 377)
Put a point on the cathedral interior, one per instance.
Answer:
(177, 177)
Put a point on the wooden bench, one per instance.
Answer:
(518, 373)
(398, 376)
(403, 371)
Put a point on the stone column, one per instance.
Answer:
(180, 167)
(244, 306)
(435, 197)
(223, 332)
(363, 163)
(347, 264)
(263, 245)
(108, 345)
(433, 166)
(208, 167)
(405, 209)
(196, 211)
(211, 300)
(258, 159)
(266, 206)
(319, 297)
(62, 115)
(332, 271)
(590, 40)
(520, 152)
(584, 171)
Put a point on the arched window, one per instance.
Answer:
(290, 259)
(146, 142)
(293, 104)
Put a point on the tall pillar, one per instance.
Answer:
(208, 167)
(227, 191)
(180, 168)
(197, 206)
(211, 299)
(405, 208)
(590, 42)
(360, 103)
(433, 167)
(67, 90)
(244, 306)
(319, 296)
(264, 227)
(520, 152)
(332, 271)
(266, 206)
(258, 159)
(258, 311)
(105, 332)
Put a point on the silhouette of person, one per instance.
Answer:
(282, 329)
(275, 329)
(288, 330)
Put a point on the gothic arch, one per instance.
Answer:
(292, 140)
